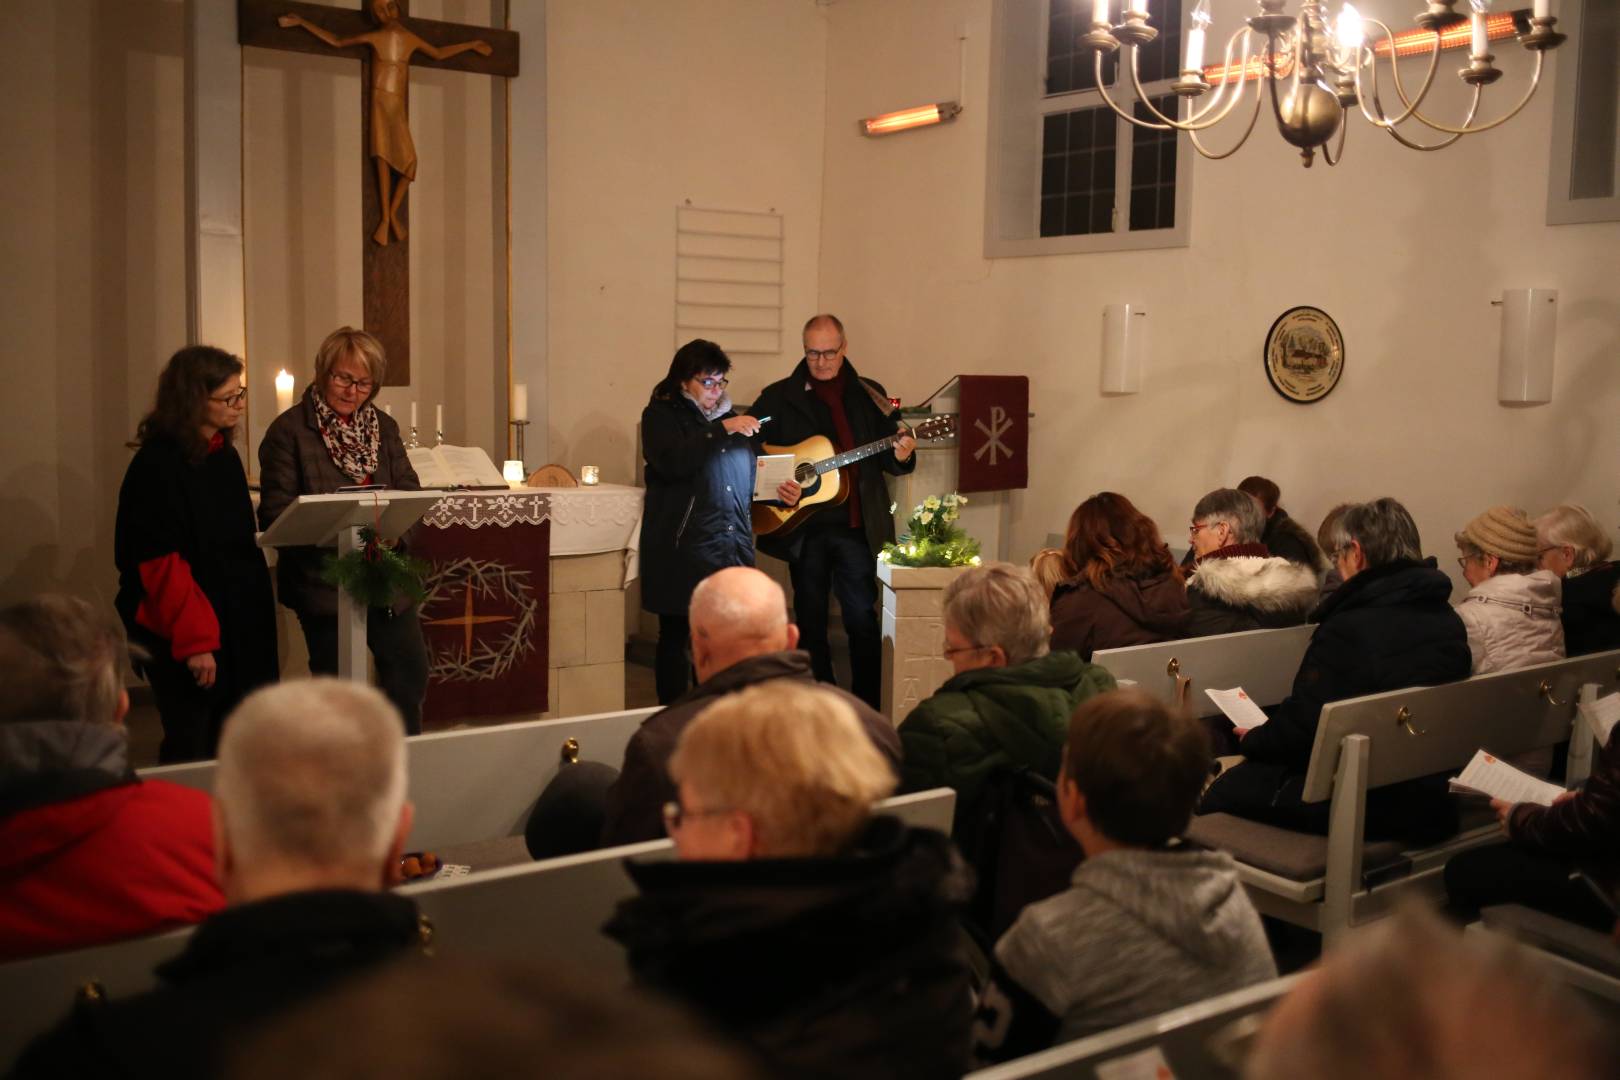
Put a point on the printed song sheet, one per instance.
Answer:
(1489, 775)
(770, 472)
(1238, 707)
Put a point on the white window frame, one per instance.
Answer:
(1019, 106)
(1562, 209)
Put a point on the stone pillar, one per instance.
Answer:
(914, 663)
(586, 654)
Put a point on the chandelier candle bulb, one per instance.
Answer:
(1099, 13)
(1482, 38)
(1542, 9)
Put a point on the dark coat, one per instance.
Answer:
(1388, 627)
(239, 969)
(700, 489)
(1591, 623)
(1287, 539)
(1231, 594)
(797, 414)
(1126, 611)
(1583, 828)
(203, 512)
(852, 966)
(635, 801)
(293, 461)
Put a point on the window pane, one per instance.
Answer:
(1070, 65)
(1161, 58)
(1153, 170)
(1055, 137)
(1077, 188)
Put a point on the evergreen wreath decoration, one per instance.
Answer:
(376, 573)
(935, 539)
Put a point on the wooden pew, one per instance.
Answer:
(1263, 662)
(1588, 961)
(1332, 883)
(552, 909)
(479, 783)
(1197, 1041)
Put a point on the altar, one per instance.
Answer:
(525, 613)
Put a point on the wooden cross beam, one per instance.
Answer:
(332, 31)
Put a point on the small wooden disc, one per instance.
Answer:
(553, 476)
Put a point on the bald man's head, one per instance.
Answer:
(736, 614)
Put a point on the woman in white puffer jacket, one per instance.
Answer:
(1513, 610)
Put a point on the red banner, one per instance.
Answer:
(993, 434)
(486, 619)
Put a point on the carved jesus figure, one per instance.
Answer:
(391, 44)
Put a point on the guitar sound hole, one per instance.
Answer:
(804, 475)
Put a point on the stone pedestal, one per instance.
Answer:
(914, 663)
(586, 656)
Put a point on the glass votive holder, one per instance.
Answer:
(590, 475)
(512, 473)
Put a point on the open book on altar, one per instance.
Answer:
(446, 466)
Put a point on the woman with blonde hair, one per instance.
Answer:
(1572, 544)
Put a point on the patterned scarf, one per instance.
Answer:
(352, 443)
(720, 409)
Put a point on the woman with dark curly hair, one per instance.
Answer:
(1126, 588)
(193, 588)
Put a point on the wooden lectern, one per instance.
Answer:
(322, 520)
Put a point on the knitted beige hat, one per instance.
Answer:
(1504, 531)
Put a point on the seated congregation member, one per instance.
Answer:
(1409, 997)
(822, 936)
(193, 586)
(1390, 625)
(1126, 588)
(1283, 536)
(1009, 702)
(336, 436)
(741, 636)
(1324, 537)
(89, 853)
(1149, 924)
(310, 815)
(1546, 846)
(1236, 584)
(1513, 610)
(1575, 547)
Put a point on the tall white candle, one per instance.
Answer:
(413, 414)
(284, 391)
(1543, 8)
(1099, 12)
(438, 418)
(1482, 38)
(520, 401)
(1195, 50)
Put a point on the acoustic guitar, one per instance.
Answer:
(818, 469)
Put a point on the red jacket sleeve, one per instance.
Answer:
(176, 608)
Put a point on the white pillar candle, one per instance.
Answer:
(1482, 38)
(413, 414)
(520, 401)
(1099, 12)
(284, 391)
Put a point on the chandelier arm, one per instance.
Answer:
(1254, 115)
(1192, 123)
(1102, 88)
(1473, 107)
(1338, 154)
(1412, 105)
(1469, 128)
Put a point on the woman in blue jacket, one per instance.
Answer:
(700, 487)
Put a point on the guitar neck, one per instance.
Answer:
(850, 457)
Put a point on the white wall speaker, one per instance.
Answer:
(1529, 336)
(1124, 344)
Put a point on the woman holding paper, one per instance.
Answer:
(193, 588)
(335, 437)
(700, 482)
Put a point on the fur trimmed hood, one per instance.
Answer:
(1271, 585)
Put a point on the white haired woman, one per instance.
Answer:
(825, 937)
(1572, 544)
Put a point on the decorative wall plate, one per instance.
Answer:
(1304, 354)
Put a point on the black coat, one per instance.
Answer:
(797, 414)
(853, 966)
(700, 489)
(238, 971)
(1591, 623)
(201, 511)
(1389, 627)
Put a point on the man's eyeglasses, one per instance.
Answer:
(964, 648)
(1195, 526)
(344, 381)
(822, 354)
(676, 815)
(710, 383)
(232, 400)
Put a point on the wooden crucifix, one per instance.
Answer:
(386, 43)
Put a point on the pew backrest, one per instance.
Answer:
(1200, 1040)
(479, 783)
(1263, 662)
(1425, 730)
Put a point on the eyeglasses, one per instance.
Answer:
(1466, 559)
(231, 400)
(822, 354)
(965, 648)
(1195, 526)
(676, 815)
(344, 381)
(709, 384)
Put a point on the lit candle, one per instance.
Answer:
(590, 475)
(512, 473)
(413, 414)
(520, 401)
(1482, 37)
(1099, 12)
(438, 419)
(284, 391)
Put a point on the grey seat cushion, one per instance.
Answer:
(1589, 948)
(1296, 856)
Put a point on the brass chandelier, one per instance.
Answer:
(1316, 73)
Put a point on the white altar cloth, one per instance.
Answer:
(584, 520)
